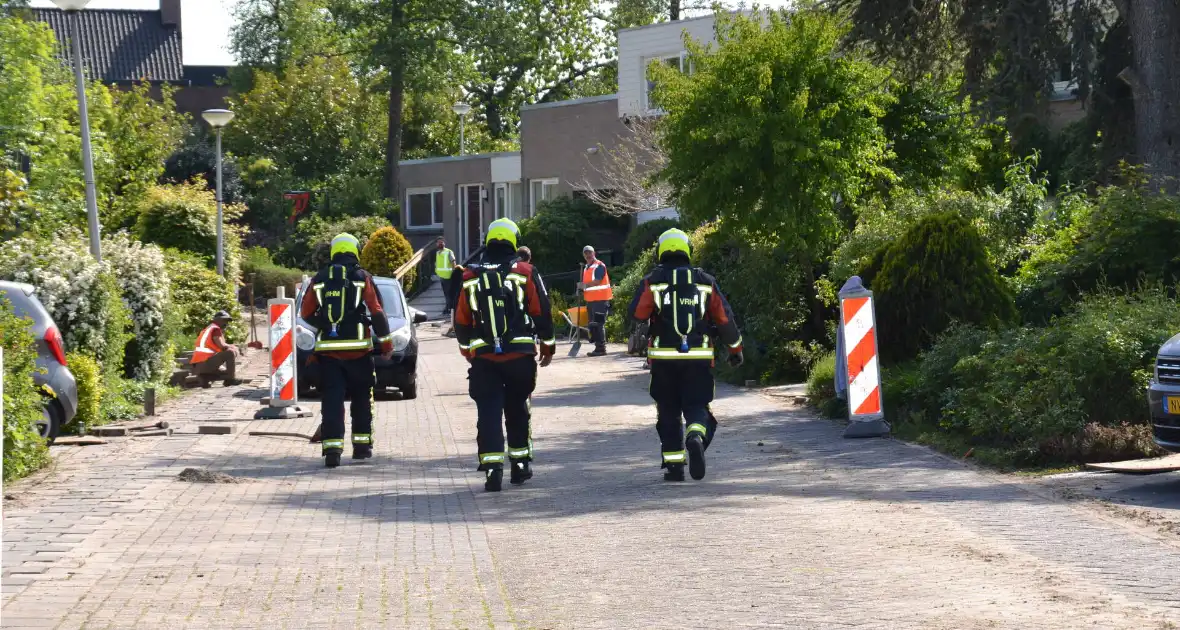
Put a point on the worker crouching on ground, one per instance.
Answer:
(502, 312)
(682, 304)
(596, 289)
(211, 353)
(342, 304)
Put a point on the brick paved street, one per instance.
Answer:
(793, 528)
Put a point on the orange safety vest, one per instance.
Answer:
(602, 292)
(204, 347)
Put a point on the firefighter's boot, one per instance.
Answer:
(494, 479)
(696, 456)
(362, 451)
(332, 457)
(674, 472)
(520, 473)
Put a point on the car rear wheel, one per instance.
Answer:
(410, 389)
(52, 417)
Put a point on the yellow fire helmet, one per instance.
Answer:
(503, 230)
(346, 244)
(673, 241)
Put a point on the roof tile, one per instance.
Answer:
(120, 46)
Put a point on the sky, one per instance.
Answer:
(206, 25)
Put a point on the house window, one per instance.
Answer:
(676, 62)
(424, 208)
(510, 201)
(541, 190)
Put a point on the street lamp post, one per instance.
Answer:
(218, 118)
(462, 109)
(72, 7)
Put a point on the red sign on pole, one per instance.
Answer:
(302, 200)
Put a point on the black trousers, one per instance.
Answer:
(355, 379)
(501, 391)
(682, 389)
(596, 312)
(451, 287)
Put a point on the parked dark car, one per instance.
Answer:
(59, 391)
(399, 372)
(1163, 396)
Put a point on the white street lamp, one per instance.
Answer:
(462, 109)
(218, 118)
(72, 7)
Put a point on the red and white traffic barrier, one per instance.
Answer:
(284, 391)
(858, 330)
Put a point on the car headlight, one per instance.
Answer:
(304, 340)
(401, 339)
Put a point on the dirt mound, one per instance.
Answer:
(200, 475)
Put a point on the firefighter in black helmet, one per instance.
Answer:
(682, 304)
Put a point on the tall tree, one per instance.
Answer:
(274, 34)
(773, 131)
(1154, 77)
(528, 51)
(402, 38)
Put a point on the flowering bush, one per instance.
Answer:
(140, 271)
(81, 294)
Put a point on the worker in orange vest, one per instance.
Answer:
(211, 352)
(596, 289)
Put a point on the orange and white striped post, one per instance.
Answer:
(284, 400)
(862, 373)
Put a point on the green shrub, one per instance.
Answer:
(180, 216)
(24, 450)
(558, 304)
(310, 247)
(88, 375)
(266, 276)
(643, 236)
(561, 228)
(937, 273)
(1034, 391)
(385, 251)
(821, 387)
(198, 293)
(1127, 236)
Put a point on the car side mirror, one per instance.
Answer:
(419, 317)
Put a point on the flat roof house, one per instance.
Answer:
(562, 144)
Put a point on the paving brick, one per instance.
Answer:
(793, 527)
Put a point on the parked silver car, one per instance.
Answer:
(58, 389)
(1163, 396)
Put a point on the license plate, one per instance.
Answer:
(1174, 405)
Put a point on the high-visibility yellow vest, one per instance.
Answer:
(444, 263)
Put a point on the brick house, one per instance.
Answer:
(123, 48)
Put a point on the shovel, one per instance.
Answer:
(577, 346)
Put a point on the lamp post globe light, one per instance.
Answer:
(218, 118)
(72, 7)
(462, 109)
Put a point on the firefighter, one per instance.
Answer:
(682, 304)
(502, 313)
(444, 268)
(596, 289)
(342, 305)
(211, 353)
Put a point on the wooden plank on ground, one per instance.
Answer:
(1171, 463)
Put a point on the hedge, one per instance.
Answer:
(88, 376)
(24, 450)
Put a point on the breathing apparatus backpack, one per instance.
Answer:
(499, 305)
(682, 305)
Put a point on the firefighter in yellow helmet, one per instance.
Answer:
(342, 304)
(501, 318)
(682, 304)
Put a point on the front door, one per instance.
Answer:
(471, 215)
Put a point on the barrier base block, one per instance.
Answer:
(282, 413)
(876, 427)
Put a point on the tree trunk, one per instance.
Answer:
(1154, 77)
(495, 118)
(818, 316)
(674, 10)
(393, 145)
